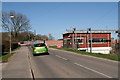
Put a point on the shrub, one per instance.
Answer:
(6, 46)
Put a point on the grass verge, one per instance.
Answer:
(114, 57)
(5, 57)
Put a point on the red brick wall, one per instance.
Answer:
(53, 43)
(94, 35)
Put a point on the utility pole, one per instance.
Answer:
(28, 37)
(34, 34)
(87, 41)
(73, 41)
(75, 46)
(90, 39)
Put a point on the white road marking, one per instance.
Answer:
(88, 67)
(61, 57)
(92, 70)
(85, 67)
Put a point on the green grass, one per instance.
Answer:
(5, 58)
(106, 56)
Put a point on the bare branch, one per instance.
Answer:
(15, 24)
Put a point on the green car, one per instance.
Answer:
(40, 48)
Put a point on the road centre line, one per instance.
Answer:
(92, 70)
(61, 57)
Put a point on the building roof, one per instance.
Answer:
(88, 33)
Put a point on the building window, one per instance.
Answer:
(65, 41)
(98, 40)
(79, 41)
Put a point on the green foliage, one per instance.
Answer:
(106, 56)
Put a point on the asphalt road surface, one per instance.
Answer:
(64, 64)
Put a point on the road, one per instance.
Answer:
(64, 64)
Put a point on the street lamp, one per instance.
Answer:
(11, 16)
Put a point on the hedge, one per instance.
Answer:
(6, 46)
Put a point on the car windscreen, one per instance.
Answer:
(39, 45)
(21, 42)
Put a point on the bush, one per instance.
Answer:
(14, 45)
(6, 46)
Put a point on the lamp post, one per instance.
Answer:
(11, 16)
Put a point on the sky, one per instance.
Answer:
(55, 17)
(60, 0)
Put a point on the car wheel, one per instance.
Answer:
(47, 53)
(33, 54)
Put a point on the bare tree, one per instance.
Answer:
(38, 37)
(44, 37)
(50, 37)
(41, 37)
(17, 23)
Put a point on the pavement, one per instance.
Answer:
(18, 65)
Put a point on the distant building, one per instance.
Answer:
(52, 42)
(101, 41)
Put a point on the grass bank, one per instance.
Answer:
(106, 56)
(5, 57)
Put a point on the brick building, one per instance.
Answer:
(101, 41)
(52, 42)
